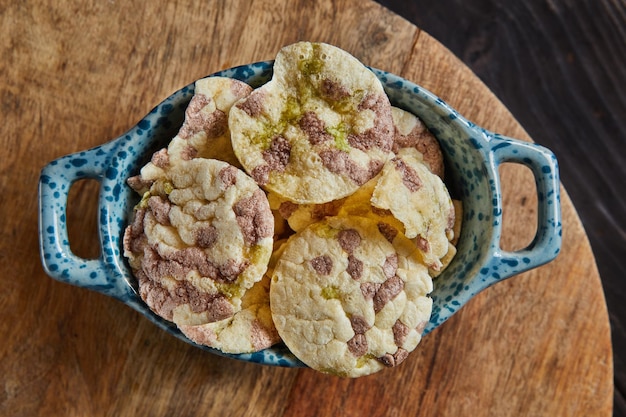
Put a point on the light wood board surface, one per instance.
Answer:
(77, 74)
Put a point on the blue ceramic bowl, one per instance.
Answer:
(472, 156)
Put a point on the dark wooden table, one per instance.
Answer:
(560, 68)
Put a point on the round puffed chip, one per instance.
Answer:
(204, 133)
(420, 200)
(319, 129)
(200, 238)
(249, 330)
(359, 204)
(349, 296)
(410, 132)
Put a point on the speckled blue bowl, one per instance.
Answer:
(472, 157)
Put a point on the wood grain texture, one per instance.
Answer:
(77, 74)
(560, 67)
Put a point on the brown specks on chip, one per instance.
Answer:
(390, 266)
(261, 174)
(160, 208)
(358, 344)
(133, 235)
(314, 128)
(428, 146)
(216, 125)
(202, 334)
(230, 270)
(262, 336)
(188, 153)
(276, 158)
(388, 231)
(355, 267)
(381, 134)
(410, 132)
(359, 324)
(374, 166)
(197, 119)
(253, 104)
(163, 301)
(333, 90)
(400, 332)
(277, 155)
(410, 178)
(197, 103)
(255, 222)
(387, 292)
(154, 267)
(156, 296)
(287, 208)
(239, 89)
(185, 293)
(323, 264)
(139, 184)
(391, 360)
(369, 139)
(160, 158)
(194, 120)
(372, 102)
(400, 355)
(369, 289)
(366, 141)
(339, 162)
(200, 302)
(422, 244)
(228, 176)
(382, 213)
(206, 236)
(177, 264)
(349, 239)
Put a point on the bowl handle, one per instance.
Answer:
(547, 241)
(57, 258)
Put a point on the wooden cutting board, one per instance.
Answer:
(77, 74)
